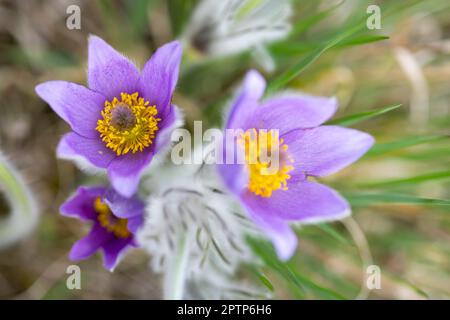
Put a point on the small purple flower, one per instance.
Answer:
(306, 149)
(115, 222)
(124, 118)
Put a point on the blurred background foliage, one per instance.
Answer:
(393, 83)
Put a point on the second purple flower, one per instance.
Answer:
(307, 150)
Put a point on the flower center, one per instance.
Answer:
(110, 222)
(122, 117)
(267, 160)
(129, 124)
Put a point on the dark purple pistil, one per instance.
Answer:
(123, 117)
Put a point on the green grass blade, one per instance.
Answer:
(322, 292)
(434, 154)
(265, 281)
(366, 199)
(305, 24)
(329, 230)
(179, 12)
(296, 280)
(407, 181)
(354, 26)
(266, 253)
(362, 39)
(358, 117)
(138, 13)
(290, 74)
(289, 49)
(382, 148)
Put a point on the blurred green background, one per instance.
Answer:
(399, 191)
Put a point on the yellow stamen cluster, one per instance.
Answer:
(128, 124)
(110, 222)
(258, 146)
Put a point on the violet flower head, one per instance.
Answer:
(306, 149)
(115, 220)
(125, 116)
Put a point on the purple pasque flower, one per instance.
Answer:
(125, 116)
(115, 219)
(292, 124)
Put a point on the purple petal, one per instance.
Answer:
(75, 104)
(246, 103)
(86, 246)
(123, 207)
(279, 232)
(307, 202)
(232, 171)
(166, 126)
(125, 171)
(327, 149)
(234, 176)
(169, 119)
(160, 75)
(81, 204)
(73, 146)
(134, 223)
(113, 250)
(109, 72)
(293, 112)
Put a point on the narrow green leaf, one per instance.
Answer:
(329, 230)
(179, 12)
(337, 37)
(138, 13)
(362, 39)
(323, 292)
(408, 284)
(407, 181)
(293, 49)
(298, 281)
(293, 72)
(433, 154)
(266, 253)
(265, 281)
(288, 49)
(382, 148)
(366, 199)
(357, 117)
(305, 24)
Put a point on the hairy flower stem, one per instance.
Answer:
(23, 213)
(176, 276)
(364, 250)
